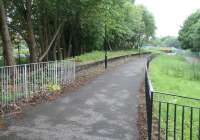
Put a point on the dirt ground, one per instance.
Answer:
(142, 122)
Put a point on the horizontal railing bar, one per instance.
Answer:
(164, 102)
(169, 94)
(35, 63)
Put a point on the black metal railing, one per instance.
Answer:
(170, 116)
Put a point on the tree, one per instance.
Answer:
(189, 33)
(170, 41)
(7, 45)
(196, 37)
(54, 29)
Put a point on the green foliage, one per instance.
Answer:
(22, 60)
(88, 24)
(1, 61)
(189, 35)
(149, 28)
(167, 41)
(170, 41)
(54, 87)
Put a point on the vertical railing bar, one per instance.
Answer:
(159, 119)
(191, 121)
(17, 89)
(29, 80)
(7, 88)
(63, 73)
(34, 80)
(74, 70)
(56, 72)
(151, 111)
(175, 108)
(42, 75)
(48, 76)
(38, 78)
(32, 77)
(183, 119)
(14, 85)
(25, 80)
(4, 90)
(167, 121)
(8, 84)
(68, 73)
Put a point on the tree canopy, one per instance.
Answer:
(170, 41)
(189, 35)
(54, 29)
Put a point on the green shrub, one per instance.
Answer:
(54, 87)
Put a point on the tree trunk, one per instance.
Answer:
(30, 34)
(7, 45)
(59, 50)
(52, 41)
(69, 45)
(63, 43)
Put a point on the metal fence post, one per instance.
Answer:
(149, 102)
(74, 70)
(147, 95)
(151, 114)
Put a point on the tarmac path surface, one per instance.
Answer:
(104, 109)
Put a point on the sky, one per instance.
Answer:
(170, 14)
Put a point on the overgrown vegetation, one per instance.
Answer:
(174, 75)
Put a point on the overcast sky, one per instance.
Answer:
(170, 14)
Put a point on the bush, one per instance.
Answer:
(54, 88)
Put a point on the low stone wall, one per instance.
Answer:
(80, 67)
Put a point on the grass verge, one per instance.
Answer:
(98, 55)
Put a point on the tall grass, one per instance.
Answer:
(173, 74)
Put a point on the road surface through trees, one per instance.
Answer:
(104, 109)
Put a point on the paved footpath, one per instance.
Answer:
(105, 109)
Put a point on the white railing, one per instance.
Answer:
(25, 81)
